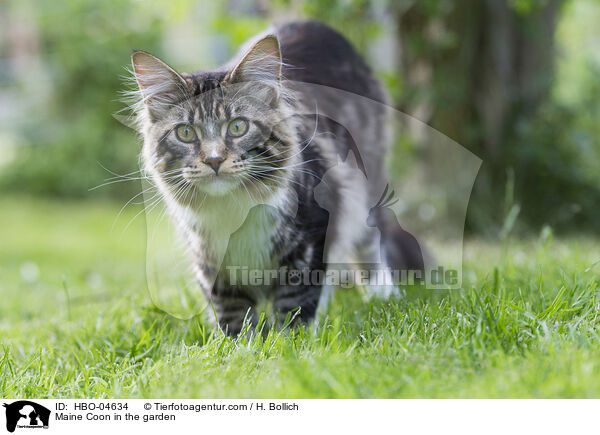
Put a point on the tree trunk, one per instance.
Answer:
(475, 70)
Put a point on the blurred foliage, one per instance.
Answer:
(555, 152)
(85, 47)
(551, 147)
(238, 28)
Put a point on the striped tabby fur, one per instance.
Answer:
(277, 163)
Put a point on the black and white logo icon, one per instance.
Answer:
(24, 414)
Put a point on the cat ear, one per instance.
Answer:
(261, 63)
(160, 85)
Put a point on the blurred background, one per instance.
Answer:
(517, 82)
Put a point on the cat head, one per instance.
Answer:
(217, 133)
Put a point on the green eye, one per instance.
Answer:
(238, 127)
(185, 133)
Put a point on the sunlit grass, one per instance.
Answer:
(76, 321)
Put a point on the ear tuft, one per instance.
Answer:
(261, 63)
(159, 84)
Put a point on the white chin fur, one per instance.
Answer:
(217, 186)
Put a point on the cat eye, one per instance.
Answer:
(185, 133)
(237, 127)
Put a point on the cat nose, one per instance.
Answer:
(214, 162)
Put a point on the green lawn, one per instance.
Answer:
(76, 321)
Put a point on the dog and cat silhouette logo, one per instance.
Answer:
(24, 414)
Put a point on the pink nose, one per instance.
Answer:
(214, 162)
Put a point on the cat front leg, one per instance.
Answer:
(300, 300)
(230, 308)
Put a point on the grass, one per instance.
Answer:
(76, 321)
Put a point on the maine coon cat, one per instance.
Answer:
(237, 165)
